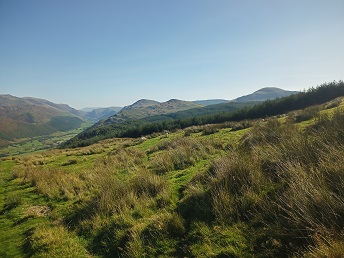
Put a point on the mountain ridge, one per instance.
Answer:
(145, 108)
(136, 127)
(29, 117)
(266, 93)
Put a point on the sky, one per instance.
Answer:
(89, 53)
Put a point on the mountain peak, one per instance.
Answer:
(142, 103)
(145, 107)
(266, 93)
(175, 101)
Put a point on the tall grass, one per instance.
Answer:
(284, 182)
(55, 242)
(54, 183)
(278, 193)
(182, 153)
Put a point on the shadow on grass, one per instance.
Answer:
(26, 247)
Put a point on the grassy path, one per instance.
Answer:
(15, 223)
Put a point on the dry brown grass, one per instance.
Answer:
(54, 183)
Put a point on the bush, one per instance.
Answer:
(307, 114)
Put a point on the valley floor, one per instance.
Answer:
(39, 143)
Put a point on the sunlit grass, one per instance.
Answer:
(274, 189)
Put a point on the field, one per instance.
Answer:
(38, 143)
(268, 187)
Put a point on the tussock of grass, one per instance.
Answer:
(182, 153)
(326, 248)
(218, 241)
(55, 242)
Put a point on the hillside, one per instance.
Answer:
(144, 108)
(208, 102)
(30, 117)
(267, 93)
(62, 107)
(268, 187)
(96, 114)
(207, 115)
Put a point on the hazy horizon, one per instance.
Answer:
(114, 106)
(112, 53)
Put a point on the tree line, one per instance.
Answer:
(136, 128)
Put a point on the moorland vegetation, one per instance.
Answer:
(258, 187)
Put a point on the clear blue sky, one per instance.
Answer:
(112, 53)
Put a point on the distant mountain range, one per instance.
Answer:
(259, 95)
(209, 102)
(96, 114)
(145, 108)
(30, 117)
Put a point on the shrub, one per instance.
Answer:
(210, 129)
(70, 162)
(307, 114)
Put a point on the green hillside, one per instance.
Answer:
(266, 93)
(30, 124)
(97, 114)
(214, 114)
(208, 102)
(145, 108)
(23, 118)
(270, 187)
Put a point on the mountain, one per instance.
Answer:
(266, 94)
(96, 114)
(88, 109)
(213, 114)
(30, 117)
(44, 102)
(265, 188)
(262, 94)
(209, 102)
(145, 108)
(142, 103)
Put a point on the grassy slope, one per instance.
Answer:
(22, 118)
(133, 197)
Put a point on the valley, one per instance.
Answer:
(31, 124)
(265, 183)
(39, 143)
